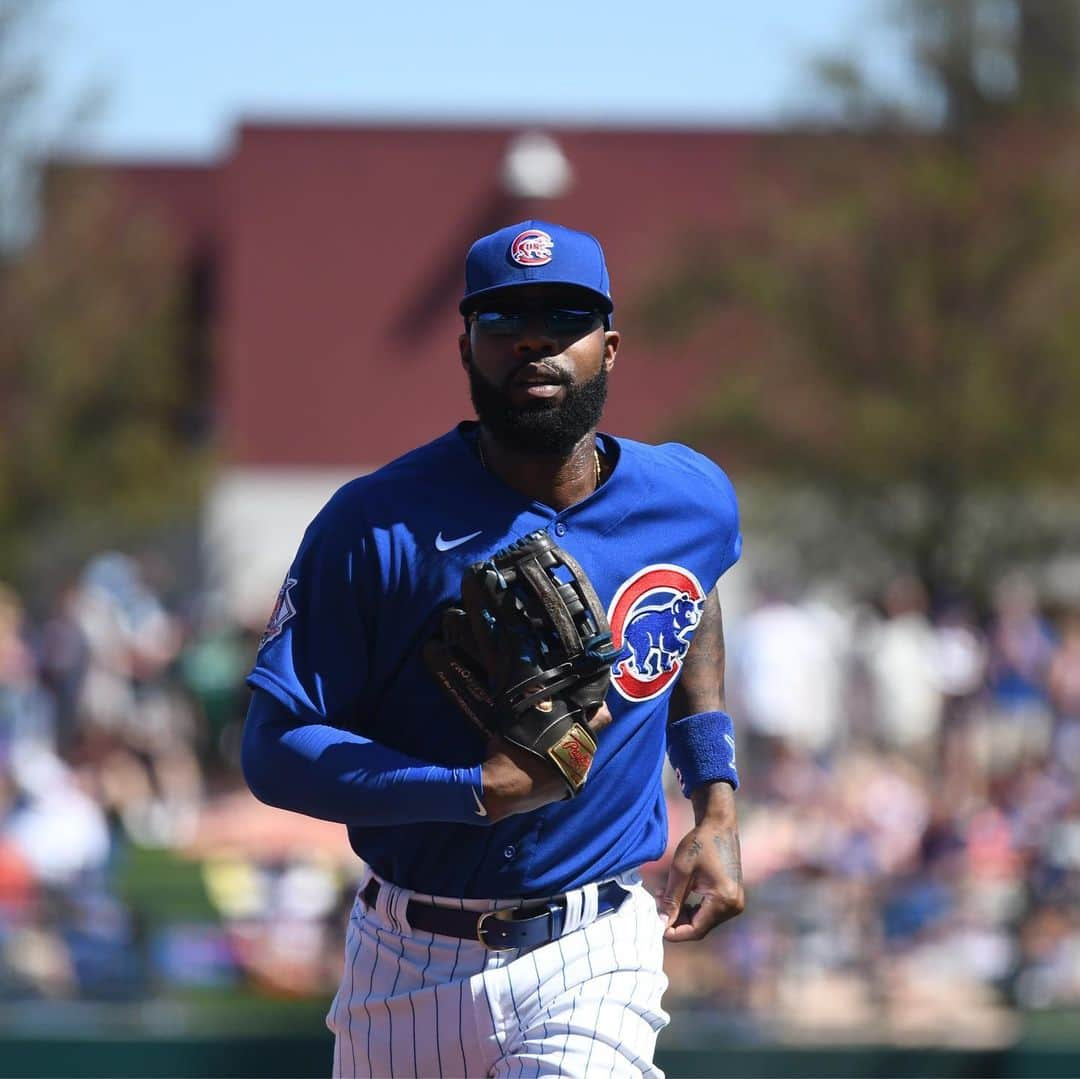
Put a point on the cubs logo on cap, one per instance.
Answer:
(532, 248)
(536, 253)
(653, 617)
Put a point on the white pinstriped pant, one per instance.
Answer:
(415, 1004)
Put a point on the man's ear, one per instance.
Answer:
(465, 348)
(611, 347)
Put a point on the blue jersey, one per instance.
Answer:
(386, 554)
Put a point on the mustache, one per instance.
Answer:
(544, 370)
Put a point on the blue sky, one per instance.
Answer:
(172, 77)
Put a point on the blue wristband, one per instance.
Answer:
(701, 749)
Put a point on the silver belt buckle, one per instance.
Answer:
(502, 915)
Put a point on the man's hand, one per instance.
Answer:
(706, 863)
(516, 781)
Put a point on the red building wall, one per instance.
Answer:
(337, 256)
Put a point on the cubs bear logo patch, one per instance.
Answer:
(653, 617)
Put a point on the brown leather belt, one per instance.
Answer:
(527, 926)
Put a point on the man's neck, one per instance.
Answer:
(554, 479)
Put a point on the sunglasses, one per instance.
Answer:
(556, 320)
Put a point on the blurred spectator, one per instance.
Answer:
(960, 653)
(212, 667)
(901, 655)
(1018, 722)
(26, 710)
(1063, 687)
(57, 828)
(786, 661)
(134, 721)
(63, 658)
(130, 638)
(1063, 675)
(1021, 645)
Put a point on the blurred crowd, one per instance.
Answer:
(910, 817)
(910, 813)
(132, 859)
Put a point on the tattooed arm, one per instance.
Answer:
(707, 861)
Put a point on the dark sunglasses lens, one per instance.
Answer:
(556, 320)
(497, 322)
(565, 318)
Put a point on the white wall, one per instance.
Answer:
(253, 522)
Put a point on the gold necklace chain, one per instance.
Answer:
(484, 464)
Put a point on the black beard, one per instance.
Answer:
(544, 427)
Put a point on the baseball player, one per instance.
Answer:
(501, 927)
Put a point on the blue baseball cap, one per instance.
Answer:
(535, 253)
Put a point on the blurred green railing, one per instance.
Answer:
(170, 1040)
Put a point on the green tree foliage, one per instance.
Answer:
(996, 60)
(906, 306)
(977, 62)
(95, 444)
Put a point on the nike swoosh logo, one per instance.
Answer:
(449, 544)
(481, 809)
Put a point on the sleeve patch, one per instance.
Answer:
(284, 609)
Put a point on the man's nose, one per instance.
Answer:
(535, 336)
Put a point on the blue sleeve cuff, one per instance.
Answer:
(701, 749)
(470, 790)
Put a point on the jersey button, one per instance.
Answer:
(560, 528)
(509, 851)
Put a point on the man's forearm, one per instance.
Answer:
(322, 771)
